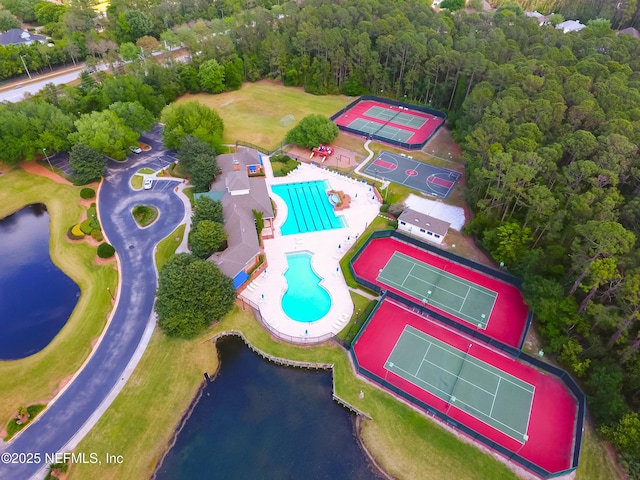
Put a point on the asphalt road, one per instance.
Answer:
(105, 371)
(17, 94)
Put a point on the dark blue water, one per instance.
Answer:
(257, 420)
(36, 297)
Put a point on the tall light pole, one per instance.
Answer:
(44, 150)
(25, 66)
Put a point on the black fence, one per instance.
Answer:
(395, 103)
(514, 352)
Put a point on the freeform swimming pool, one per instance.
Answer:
(309, 207)
(305, 299)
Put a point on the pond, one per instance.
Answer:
(36, 297)
(257, 420)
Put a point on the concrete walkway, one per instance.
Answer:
(327, 247)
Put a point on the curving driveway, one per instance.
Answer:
(61, 426)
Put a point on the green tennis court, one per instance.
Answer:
(457, 296)
(393, 133)
(401, 118)
(385, 114)
(489, 394)
(384, 131)
(366, 126)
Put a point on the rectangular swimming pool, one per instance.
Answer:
(309, 207)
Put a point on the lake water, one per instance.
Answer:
(257, 420)
(36, 297)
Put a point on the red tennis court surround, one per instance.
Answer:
(554, 409)
(420, 135)
(508, 320)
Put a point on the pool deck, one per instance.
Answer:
(327, 247)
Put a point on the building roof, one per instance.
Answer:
(630, 31)
(570, 26)
(427, 222)
(242, 237)
(236, 181)
(243, 157)
(16, 36)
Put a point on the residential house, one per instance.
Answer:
(16, 36)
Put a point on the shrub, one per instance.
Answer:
(86, 227)
(87, 193)
(74, 233)
(105, 250)
(393, 223)
(95, 225)
(97, 235)
(91, 212)
(384, 208)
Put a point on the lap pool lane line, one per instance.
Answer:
(61, 426)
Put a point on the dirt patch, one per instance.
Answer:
(63, 383)
(97, 261)
(443, 146)
(36, 169)
(342, 158)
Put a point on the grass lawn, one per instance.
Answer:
(145, 171)
(378, 223)
(168, 246)
(362, 307)
(37, 378)
(595, 461)
(136, 182)
(253, 113)
(282, 167)
(144, 215)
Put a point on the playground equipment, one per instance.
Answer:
(323, 151)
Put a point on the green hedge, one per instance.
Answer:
(86, 226)
(87, 193)
(74, 233)
(97, 235)
(105, 250)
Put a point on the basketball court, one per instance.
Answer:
(434, 181)
(434, 286)
(489, 394)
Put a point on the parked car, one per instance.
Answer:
(148, 183)
(135, 149)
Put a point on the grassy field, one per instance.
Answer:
(253, 113)
(37, 378)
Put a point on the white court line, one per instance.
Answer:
(414, 331)
(408, 274)
(417, 333)
(418, 295)
(495, 395)
(422, 280)
(461, 281)
(458, 401)
(424, 359)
